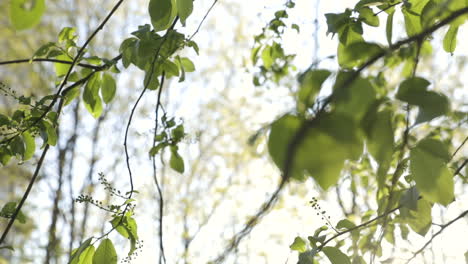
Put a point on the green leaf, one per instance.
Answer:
(336, 133)
(368, 17)
(162, 13)
(412, 15)
(152, 84)
(389, 27)
(336, 22)
(187, 64)
(108, 88)
(71, 95)
(43, 50)
(60, 68)
(154, 150)
(185, 8)
(87, 256)
(430, 171)
(432, 104)
(51, 133)
(17, 146)
(30, 145)
(336, 256)
(5, 156)
(127, 227)
(421, 219)
(25, 14)
(76, 255)
(176, 162)
(357, 53)
(128, 50)
(105, 253)
(353, 99)
(410, 199)
(307, 257)
(298, 245)
(296, 27)
(450, 39)
(4, 120)
(267, 57)
(310, 84)
(9, 209)
(178, 133)
(345, 224)
(380, 137)
(67, 34)
(364, 3)
(170, 68)
(91, 98)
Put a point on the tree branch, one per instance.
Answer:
(48, 60)
(442, 227)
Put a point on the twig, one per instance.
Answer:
(358, 227)
(203, 20)
(48, 60)
(442, 227)
(459, 148)
(162, 256)
(457, 171)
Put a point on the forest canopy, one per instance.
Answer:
(181, 131)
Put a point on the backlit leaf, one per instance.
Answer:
(450, 39)
(162, 13)
(419, 220)
(76, 254)
(298, 245)
(60, 68)
(108, 88)
(336, 256)
(185, 8)
(105, 253)
(30, 145)
(176, 162)
(368, 17)
(430, 171)
(310, 84)
(25, 14)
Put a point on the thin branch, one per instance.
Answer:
(25, 195)
(442, 227)
(48, 60)
(203, 20)
(358, 227)
(459, 148)
(457, 171)
(162, 256)
(132, 112)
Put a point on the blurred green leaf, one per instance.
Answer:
(25, 14)
(298, 245)
(429, 170)
(336, 256)
(185, 8)
(108, 88)
(162, 13)
(105, 253)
